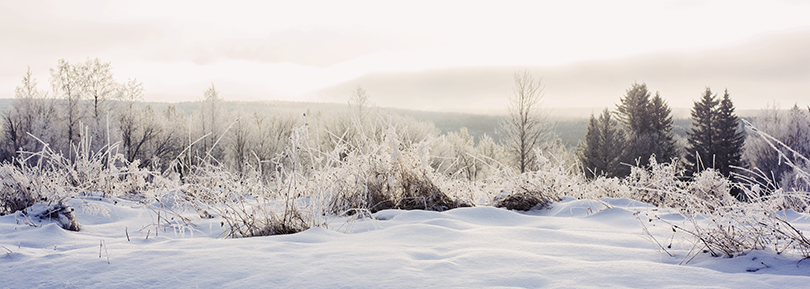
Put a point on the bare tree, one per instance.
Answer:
(211, 123)
(100, 87)
(32, 112)
(241, 137)
(524, 125)
(359, 102)
(138, 126)
(67, 83)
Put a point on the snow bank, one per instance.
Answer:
(576, 243)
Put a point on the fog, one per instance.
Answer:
(763, 70)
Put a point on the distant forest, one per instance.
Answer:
(570, 130)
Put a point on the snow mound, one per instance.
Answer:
(576, 243)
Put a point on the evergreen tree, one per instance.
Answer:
(600, 155)
(715, 140)
(648, 124)
(701, 149)
(730, 137)
(662, 124)
(633, 111)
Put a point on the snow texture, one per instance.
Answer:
(576, 243)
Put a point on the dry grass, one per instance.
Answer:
(523, 201)
(387, 176)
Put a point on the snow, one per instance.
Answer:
(576, 243)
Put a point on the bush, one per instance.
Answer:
(385, 177)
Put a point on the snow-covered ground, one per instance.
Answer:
(577, 243)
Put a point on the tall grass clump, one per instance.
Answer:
(254, 203)
(385, 174)
(538, 189)
(52, 178)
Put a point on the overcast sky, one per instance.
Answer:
(442, 55)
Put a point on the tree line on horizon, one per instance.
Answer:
(640, 130)
(87, 106)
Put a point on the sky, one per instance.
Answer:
(435, 55)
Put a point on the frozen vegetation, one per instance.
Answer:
(354, 224)
(362, 197)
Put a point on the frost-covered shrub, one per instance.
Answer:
(18, 191)
(385, 176)
(553, 179)
(778, 140)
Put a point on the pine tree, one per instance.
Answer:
(730, 137)
(589, 151)
(715, 140)
(662, 124)
(601, 152)
(648, 124)
(701, 150)
(633, 111)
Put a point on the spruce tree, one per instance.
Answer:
(648, 126)
(701, 150)
(600, 155)
(589, 151)
(730, 137)
(633, 110)
(662, 124)
(715, 140)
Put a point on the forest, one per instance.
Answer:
(284, 167)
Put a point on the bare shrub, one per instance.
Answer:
(523, 201)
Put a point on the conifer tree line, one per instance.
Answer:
(715, 140)
(641, 127)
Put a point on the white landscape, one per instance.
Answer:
(576, 243)
(410, 144)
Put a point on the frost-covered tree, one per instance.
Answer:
(211, 124)
(791, 127)
(272, 133)
(171, 140)
(359, 102)
(32, 112)
(132, 121)
(68, 82)
(465, 161)
(100, 88)
(524, 124)
(491, 154)
(241, 137)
